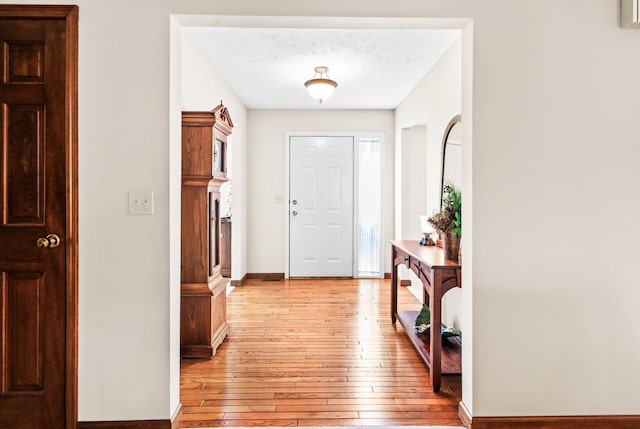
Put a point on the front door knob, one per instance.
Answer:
(51, 241)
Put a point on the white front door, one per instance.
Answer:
(320, 206)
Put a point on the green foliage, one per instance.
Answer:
(450, 216)
(453, 200)
(424, 318)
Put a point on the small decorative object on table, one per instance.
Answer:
(428, 241)
(427, 231)
(448, 221)
(423, 320)
(423, 324)
(450, 245)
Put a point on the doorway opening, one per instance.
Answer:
(387, 230)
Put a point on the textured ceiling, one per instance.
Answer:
(374, 68)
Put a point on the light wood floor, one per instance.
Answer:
(315, 353)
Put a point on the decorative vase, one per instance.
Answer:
(450, 245)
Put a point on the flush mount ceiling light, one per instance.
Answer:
(321, 87)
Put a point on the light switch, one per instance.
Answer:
(140, 202)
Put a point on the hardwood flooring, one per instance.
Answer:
(315, 353)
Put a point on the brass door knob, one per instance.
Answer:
(51, 241)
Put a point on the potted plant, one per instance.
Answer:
(448, 221)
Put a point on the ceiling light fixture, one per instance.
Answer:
(321, 87)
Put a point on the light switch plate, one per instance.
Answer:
(140, 202)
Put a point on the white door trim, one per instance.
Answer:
(356, 139)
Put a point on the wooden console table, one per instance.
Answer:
(437, 276)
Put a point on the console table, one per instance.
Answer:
(438, 276)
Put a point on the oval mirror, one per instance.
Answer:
(452, 155)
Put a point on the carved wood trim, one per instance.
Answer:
(219, 117)
(222, 117)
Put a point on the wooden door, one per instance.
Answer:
(321, 206)
(38, 242)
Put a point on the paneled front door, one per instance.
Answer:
(321, 206)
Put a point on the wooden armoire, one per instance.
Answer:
(203, 321)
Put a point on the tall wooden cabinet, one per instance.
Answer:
(203, 321)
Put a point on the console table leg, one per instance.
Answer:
(435, 334)
(394, 285)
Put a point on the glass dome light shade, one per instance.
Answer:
(320, 88)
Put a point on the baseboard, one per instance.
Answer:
(464, 415)
(239, 282)
(402, 282)
(266, 277)
(548, 422)
(128, 424)
(172, 423)
(177, 416)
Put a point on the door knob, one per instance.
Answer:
(295, 213)
(294, 202)
(51, 241)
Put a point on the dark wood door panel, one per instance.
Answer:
(22, 149)
(32, 357)
(38, 166)
(25, 62)
(23, 297)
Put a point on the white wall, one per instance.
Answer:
(266, 166)
(432, 103)
(554, 154)
(128, 341)
(551, 311)
(202, 89)
(413, 180)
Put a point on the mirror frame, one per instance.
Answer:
(455, 120)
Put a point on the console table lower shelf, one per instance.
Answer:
(451, 348)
